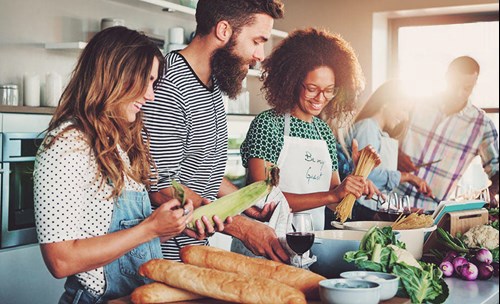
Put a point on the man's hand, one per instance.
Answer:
(261, 214)
(262, 240)
(404, 162)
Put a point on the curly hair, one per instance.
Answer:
(302, 52)
(238, 13)
(114, 69)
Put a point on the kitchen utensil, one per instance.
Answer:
(389, 283)
(349, 291)
(329, 248)
(427, 164)
(31, 85)
(9, 95)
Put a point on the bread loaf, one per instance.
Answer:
(215, 258)
(221, 285)
(161, 293)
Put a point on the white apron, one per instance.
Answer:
(305, 167)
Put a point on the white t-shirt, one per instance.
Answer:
(68, 202)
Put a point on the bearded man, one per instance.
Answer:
(187, 121)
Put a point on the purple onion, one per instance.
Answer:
(447, 268)
(468, 271)
(495, 268)
(459, 261)
(485, 271)
(483, 255)
(450, 255)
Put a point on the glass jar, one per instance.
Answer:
(9, 95)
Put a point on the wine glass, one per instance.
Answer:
(393, 200)
(405, 204)
(300, 233)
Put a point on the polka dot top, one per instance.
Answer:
(265, 136)
(68, 202)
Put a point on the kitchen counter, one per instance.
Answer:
(477, 292)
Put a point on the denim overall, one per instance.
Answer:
(121, 275)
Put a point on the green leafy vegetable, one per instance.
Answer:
(379, 250)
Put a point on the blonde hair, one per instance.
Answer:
(114, 69)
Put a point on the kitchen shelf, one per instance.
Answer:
(27, 110)
(79, 45)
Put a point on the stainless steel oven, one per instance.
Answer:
(17, 220)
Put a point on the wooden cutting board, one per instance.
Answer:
(126, 300)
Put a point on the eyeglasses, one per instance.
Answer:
(312, 91)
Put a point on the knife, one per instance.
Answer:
(428, 163)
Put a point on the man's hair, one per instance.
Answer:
(238, 13)
(463, 65)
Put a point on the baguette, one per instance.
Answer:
(160, 293)
(215, 258)
(221, 285)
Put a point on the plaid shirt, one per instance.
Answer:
(456, 140)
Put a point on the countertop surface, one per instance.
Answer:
(477, 292)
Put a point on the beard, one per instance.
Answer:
(229, 69)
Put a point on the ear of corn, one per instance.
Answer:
(178, 192)
(236, 202)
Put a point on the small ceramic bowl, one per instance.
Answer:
(349, 291)
(388, 282)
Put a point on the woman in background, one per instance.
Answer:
(93, 214)
(310, 71)
(377, 124)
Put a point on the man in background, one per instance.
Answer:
(450, 129)
(187, 121)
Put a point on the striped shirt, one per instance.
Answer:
(455, 139)
(188, 128)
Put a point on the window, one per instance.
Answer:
(424, 46)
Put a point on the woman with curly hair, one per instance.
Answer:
(93, 214)
(309, 72)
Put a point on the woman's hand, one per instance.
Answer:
(419, 183)
(353, 184)
(204, 228)
(169, 219)
(371, 190)
(356, 153)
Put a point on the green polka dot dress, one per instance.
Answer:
(265, 137)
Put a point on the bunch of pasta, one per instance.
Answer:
(367, 161)
(413, 221)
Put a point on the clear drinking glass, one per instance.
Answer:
(394, 204)
(405, 204)
(300, 233)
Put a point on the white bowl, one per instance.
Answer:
(329, 248)
(388, 282)
(413, 238)
(349, 291)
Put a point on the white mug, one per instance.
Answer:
(31, 86)
(53, 89)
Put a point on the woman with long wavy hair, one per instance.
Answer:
(92, 172)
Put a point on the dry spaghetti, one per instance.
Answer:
(413, 221)
(367, 161)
